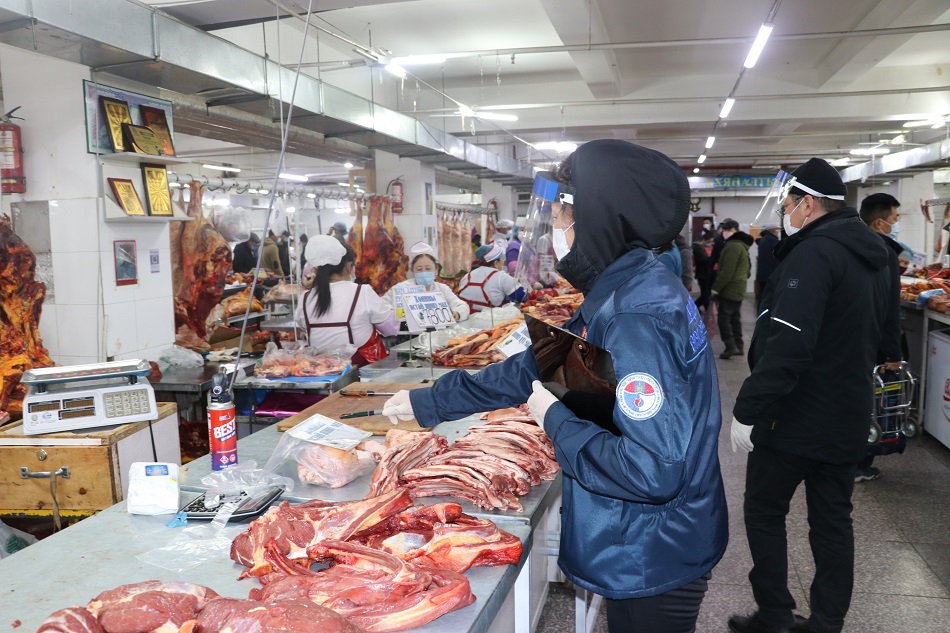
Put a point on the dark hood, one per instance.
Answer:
(845, 227)
(745, 238)
(625, 196)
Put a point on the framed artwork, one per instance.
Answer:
(155, 120)
(126, 196)
(141, 140)
(158, 199)
(126, 265)
(117, 112)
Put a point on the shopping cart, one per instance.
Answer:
(893, 420)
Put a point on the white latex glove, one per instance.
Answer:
(399, 407)
(540, 401)
(741, 437)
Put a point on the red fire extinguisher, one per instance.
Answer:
(12, 179)
(395, 196)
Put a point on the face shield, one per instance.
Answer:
(536, 259)
(771, 211)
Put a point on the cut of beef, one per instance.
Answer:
(404, 450)
(287, 616)
(70, 620)
(152, 606)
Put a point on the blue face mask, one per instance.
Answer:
(425, 279)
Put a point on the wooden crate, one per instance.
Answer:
(98, 462)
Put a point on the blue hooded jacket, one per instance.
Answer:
(643, 511)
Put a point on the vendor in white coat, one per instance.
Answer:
(501, 233)
(336, 311)
(422, 271)
(487, 286)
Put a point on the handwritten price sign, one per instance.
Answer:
(516, 342)
(428, 310)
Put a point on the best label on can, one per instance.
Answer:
(222, 435)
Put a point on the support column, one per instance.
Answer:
(916, 232)
(417, 220)
(506, 197)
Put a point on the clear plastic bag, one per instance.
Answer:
(440, 339)
(310, 363)
(176, 356)
(13, 540)
(194, 546)
(245, 476)
(332, 467)
(234, 225)
(276, 363)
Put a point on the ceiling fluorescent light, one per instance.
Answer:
(293, 177)
(924, 122)
(701, 159)
(343, 184)
(312, 196)
(840, 162)
(764, 31)
(939, 123)
(870, 151)
(710, 141)
(291, 209)
(409, 60)
(897, 140)
(222, 168)
(466, 111)
(348, 165)
(727, 108)
(496, 116)
(396, 70)
(695, 170)
(558, 146)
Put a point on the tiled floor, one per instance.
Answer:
(902, 534)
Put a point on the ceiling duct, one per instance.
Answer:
(900, 161)
(157, 50)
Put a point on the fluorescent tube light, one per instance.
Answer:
(701, 159)
(312, 196)
(764, 31)
(410, 60)
(466, 111)
(293, 177)
(840, 162)
(343, 184)
(291, 210)
(348, 165)
(222, 168)
(559, 146)
(695, 170)
(897, 140)
(496, 116)
(263, 192)
(727, 108)
(396, 70)
(939, 123)
(870, 151)
(710, 141)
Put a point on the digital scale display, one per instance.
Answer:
(79, 403)
(36, 407)
(76, 413)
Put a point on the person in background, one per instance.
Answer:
(881, 213)
(669, 256)
(727, 229)
(512, 251)
(643, 518)
(487, 285)
(336, 311)
(245, 254)
(283, 251)
(339, 231)
(270, 258)
(303, 250)
(686, 261)
(501, 233)
(803, 414)
(707, 233)
(422, 270)
(765, 261)
(704, 270)
(476, 242)
(730, 285)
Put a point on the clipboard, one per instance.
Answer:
(567, 359)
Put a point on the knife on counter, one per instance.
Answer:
(360, 414)
(363, 394)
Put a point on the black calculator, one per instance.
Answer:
(247, 506)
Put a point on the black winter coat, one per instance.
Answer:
(244, 260)
(765, 261)
(816, 340)
(891, 337)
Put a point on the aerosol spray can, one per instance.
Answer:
(222, 425)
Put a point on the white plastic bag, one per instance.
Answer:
(332, 467)
(13, 540)
(245, 476)
(176, 356)
(234, 225)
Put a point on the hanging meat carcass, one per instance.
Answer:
(205, 262)
(355, 238)
(401, 259)
(21, 301)
(380, 259)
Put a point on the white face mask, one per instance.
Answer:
(895, 230)
(561, 247)
(787, 220)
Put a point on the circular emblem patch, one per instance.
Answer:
(640, 396)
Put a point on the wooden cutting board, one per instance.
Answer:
(335, 404)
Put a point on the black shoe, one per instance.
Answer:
(752, 624)
(730, 352)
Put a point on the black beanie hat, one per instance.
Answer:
(821, 177)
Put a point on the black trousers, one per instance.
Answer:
(771, 479)
(730, 322)
(672, 612)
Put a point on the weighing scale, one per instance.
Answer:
(87, 396)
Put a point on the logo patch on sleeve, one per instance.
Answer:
(793, 283)
(640, 396)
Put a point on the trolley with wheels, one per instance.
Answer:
(892, 419)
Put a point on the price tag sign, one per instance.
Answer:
(516, 342)
(320, 429)
(427, 310)
(399, 294)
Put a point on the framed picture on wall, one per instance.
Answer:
(117, 112)
(155, 120)
(158, 199)
(126, 264)
(126, 196)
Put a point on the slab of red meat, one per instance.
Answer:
(293, 529)
(400, 267)
(520, 413)
(70, 620)
(286, 616)
(355, 239)
(404, 450)
(376, 590)
(21, 302)
(483, 488)
(150, 606)
(205, 262)
(379, 261)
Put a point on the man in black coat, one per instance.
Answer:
(804, 411)
(765, 261)
(245, 254)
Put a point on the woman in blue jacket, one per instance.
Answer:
(643, 510)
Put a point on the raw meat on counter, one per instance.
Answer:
(282, 292)
(306, 362)
(476, 350)
(201, 260)
(237, 304)
(283, 616)
(554, 309)
(378, 591)
(21, 302)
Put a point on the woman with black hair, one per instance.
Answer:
(336, 311)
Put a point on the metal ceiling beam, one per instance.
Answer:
(932, 153)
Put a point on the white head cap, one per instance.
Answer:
(422, 248)
(505, 225)
(323, 250)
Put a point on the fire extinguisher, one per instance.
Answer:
(395, 196)
(12, 179)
